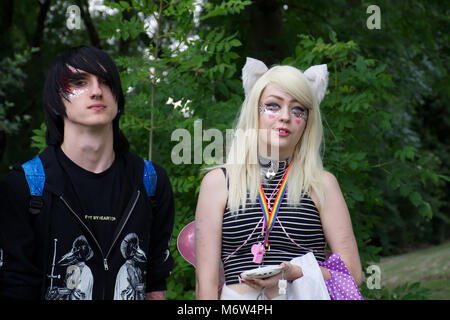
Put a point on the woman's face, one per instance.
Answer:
(282, 121)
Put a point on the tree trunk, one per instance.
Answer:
(266, 27)
(43, 9)
(6, 18)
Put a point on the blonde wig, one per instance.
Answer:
(243, 173)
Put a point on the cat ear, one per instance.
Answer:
(251, 72)
(318, 79)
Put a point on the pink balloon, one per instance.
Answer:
(186, 247)
(186, 243)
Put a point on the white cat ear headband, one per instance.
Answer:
(317, 76)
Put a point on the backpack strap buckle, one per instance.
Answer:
(36, 204)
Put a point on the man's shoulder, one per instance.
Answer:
(14, 183)
(16, 180)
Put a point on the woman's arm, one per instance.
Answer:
(208, 233)
(337, 227)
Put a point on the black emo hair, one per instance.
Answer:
(90, 60)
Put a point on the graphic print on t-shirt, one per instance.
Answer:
(79, 280)
(130, 281)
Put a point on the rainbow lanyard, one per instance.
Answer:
(270, 217)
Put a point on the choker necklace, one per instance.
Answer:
(271, 167)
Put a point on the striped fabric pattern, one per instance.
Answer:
(300, 221)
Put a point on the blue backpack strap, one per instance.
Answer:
(150, 178)
(35, 176)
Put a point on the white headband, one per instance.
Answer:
(317, 76)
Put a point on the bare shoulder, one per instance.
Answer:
(214, 179)
(214, 188)
(334, 198)
(212, 198)
(328, 177)
(329, 181)
(330, 188)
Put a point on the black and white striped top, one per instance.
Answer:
(297, 227)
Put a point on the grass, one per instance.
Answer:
(430, 267)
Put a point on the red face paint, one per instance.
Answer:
(298, 121)
(271, 116)
(73, 92)
(69, 89)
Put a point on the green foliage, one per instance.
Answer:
(38, 138)
(12, 79)
(405, 291)
(224, 8)
(119, 27)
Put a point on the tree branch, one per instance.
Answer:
(93, 35)
(43, 9)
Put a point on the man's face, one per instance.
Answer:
(90, 101)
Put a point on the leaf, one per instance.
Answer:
(235, 43)
(404, 190)
(425, 210)
(386, 124)
(124, 5)
(332, 36)
(353, 165)
(359, 156)
(219, 36)
(444, 177)
(210, 35)
(415, 198)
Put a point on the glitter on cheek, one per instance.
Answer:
(269, 113)
(75, 93)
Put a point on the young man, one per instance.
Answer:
(102, 228)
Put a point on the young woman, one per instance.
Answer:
(272, 203)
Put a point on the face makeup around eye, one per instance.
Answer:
(273, 110)
(300, 113)
(76, 85)
(89, 100)
(75, 92)
(83, 82)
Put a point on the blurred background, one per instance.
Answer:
(385, 115)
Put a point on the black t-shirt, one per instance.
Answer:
(102, 196)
